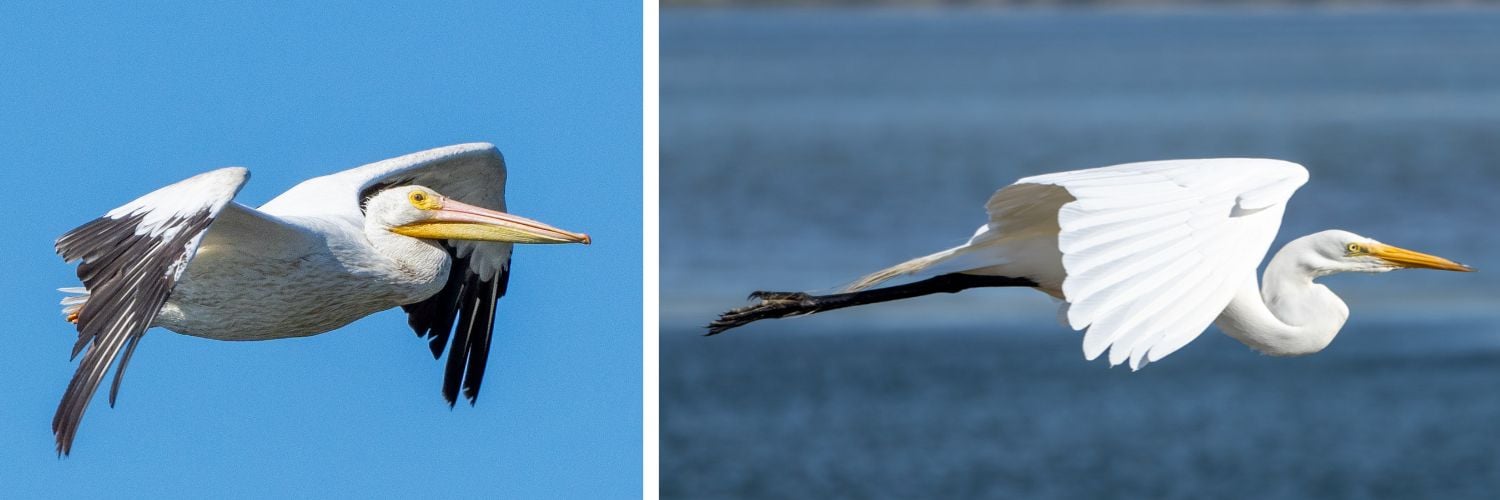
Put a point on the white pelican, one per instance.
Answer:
(426, 231)
(1144, 256)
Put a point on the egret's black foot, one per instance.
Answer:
(783, 304)
(779, 296)
(768, 305)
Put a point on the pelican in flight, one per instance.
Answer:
(1144, 256)
(426, 231)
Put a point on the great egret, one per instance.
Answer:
(1144, 256)
(426, 231)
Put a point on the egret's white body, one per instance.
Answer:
(425, 231)
(1145, 256)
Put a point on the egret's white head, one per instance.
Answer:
(1335, 251)
(420, 212)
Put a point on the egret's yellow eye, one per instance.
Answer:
(1355, 249)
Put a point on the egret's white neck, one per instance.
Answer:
(1288, 315)
(416, 265)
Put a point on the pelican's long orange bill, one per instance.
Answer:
(461, 221)
(1412, 259)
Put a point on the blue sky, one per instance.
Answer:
(102, 103)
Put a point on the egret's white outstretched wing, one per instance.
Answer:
(132, 257)
(470, 173)
(1154, 251)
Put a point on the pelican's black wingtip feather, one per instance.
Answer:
(461, 319)
(479, 353)
(129, 274)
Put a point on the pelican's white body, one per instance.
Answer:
(327, 252)
(310, 261)
(314, 276)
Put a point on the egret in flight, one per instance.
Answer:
(1144, 256)
(427, 232)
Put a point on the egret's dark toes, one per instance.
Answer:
(778, 296)
(769, 305)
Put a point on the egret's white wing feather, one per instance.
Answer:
(1145, 255)
(1154, 251)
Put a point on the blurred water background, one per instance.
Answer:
(804, 148)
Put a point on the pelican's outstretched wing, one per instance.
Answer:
(132, 257)
(1154, 251)
(470, 173)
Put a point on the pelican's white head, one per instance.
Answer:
(1336, 251)
(420, 212)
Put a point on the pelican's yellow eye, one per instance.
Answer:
(1355, 249)
(421, 200)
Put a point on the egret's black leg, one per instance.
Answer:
(783, 304)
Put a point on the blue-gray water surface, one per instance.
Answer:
(802, 149)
